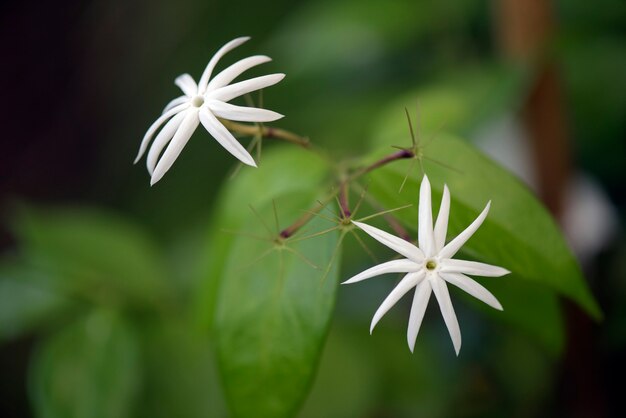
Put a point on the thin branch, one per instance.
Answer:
(266, 132)
(304, 219)
(400, 155)
(344, 200)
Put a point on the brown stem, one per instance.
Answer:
(344, 203)
(343, 196)
(399, 155)
(304, 219)
(299, 223)
(389, 218)
(266, 132)
(398, 229)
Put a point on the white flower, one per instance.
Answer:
(204, 103)
(430, 266)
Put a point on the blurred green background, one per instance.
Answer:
(100, 271)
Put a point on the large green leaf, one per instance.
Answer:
(28, 299)
(93, 255)
(87, 370)
(281, 171)
(275, 299)
(518, 234)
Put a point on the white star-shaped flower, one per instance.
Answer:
(430, 266)
(203, 103)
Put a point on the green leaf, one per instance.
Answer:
(93, 254)
(28, 299)
(87, 370)
(518, 234)
(275, 298)
(281, 171)
(179, 374)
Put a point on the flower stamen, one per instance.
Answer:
(431, 265)
(197, 101)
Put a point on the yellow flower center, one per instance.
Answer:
(431, 265)
(197, 101)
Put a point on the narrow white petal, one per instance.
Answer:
(453, 246)
(229, 92)
(473, 288)
(441, 225)
(187, 84)
(418, 308)
(241, 113)
(153, 128)
(399, 245)
(229, 74)
(177, 101)
(426, 240)
(472, 267)
(394, 266)
(224, 137)
(440, 289)
(406, 284)
(206, 75)
(182, 135)
(162, 139)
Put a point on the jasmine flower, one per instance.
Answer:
(429, 267)
(204, 103)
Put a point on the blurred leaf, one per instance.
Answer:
(457, 103)
(518, 234)
(27, 300)
(273, 307)
(180, 379)
(351, 34)
(344, 388)
(88, 370)
(95, 254)
(543, 320)
(364, 375)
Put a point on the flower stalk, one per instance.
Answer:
(344, 200)
(403, 154)
(267, 132)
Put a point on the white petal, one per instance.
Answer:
(394, 266)
(441, 226)
(235, 70)
(473, 288)
(228, 93)
(406, 284)
(224, 137)
(153, 128)
(453, 246)
(426, 240)
(420, 302)
(187, 85)
(177, 101)
(184, 132)
(206, 75)
(472, 267)
(399, 245)
(447, 311)
(162, 139)
(241, 113)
